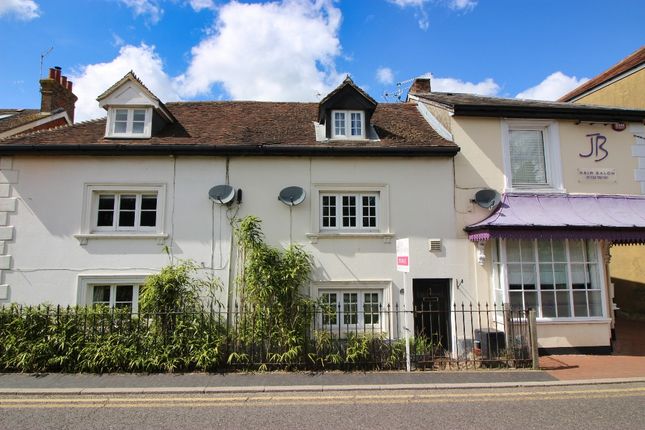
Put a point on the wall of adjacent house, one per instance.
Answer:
(480, 164)
(48, 256)
(626, 92)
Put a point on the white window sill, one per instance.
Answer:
(84, 238)
(314, 237)
(581, 320)
(535, 190)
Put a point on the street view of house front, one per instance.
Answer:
(88, 209)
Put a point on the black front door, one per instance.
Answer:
(431, 301)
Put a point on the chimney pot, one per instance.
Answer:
(69, 86)
(52, 73)
(63, 81)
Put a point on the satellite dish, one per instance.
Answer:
(292, 196)
(487, 198)
(222, 194)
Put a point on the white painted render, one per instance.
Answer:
(50, 253)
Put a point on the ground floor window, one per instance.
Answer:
(115, 295)
(350, 308)
(558, 278)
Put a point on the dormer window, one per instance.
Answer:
(129, 122)
(348, 125)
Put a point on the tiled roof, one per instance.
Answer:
(475, 105)
(625, 65)
(233, 126)
(18, 118)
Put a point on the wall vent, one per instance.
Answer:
(434, 245)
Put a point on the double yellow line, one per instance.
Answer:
(160, 401)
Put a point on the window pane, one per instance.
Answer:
(350, 308)
(527, 251)
(516, 299)
(124, 293)
(101, 294)
(560, 276)
(371, 308)
(595, 304)
(369, 211)
(128, 204)
(148, 211)
(548, 304)
(575, 251)
(148, 202)
(564, 303)
(357, 124)
(578, 276)
(329, 308)
(528, 276)
(528, 165)
(591, 251)
(580, 303)
(544, 251)
(559, 253)
(106, 211)
(514, 276)
(546, 277)
(513, 251)
(329, 211)
(120, 120)
(349, 211)
(339, 123)
(139, 115)
(530, 300)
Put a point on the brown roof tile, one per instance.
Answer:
(231, 125)
(626, 64)
(18, 118)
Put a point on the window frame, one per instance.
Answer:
(86, 284)
(340, 214)
(347, 124)
(112, 120)
(381, 287)
(382, 229)
(501, 278)
(89, 218)
(116, 227)
(552, 161)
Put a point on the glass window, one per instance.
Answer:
(559, 278)
(126, 211)
(350, 309)
(357, 124)
(128, 122)
(115, 296)
(121, 121)
(347, 124)
(339, 124)
(138, 120)
(528, 161)
(349, 211)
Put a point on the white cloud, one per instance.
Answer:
(385, 75)
(94, 79)
(22, 9)
(420, 14)
(148, 8)
(283, 50)
(198, 5)
(487, 87)
(466, 5)
(552, 88)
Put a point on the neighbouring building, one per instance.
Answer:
(560, 185)
(56, 108)
(622, 85)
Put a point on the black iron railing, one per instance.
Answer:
(314, 337)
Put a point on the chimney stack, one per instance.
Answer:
(420, 85)
(57, 93)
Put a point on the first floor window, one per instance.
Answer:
(126, 211)
(351, 309)
(559, 278)
(115, 295)
(349, 211)
(528, 160)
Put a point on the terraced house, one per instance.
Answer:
(88, 209)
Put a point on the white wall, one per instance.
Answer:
(46, 258)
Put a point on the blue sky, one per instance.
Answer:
(296, 50)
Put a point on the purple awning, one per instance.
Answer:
(618, 218)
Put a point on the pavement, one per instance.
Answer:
(555, 370)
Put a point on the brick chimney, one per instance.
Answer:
(57, 93)
(420, 85)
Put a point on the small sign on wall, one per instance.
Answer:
(403, 255)
(596, 175)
